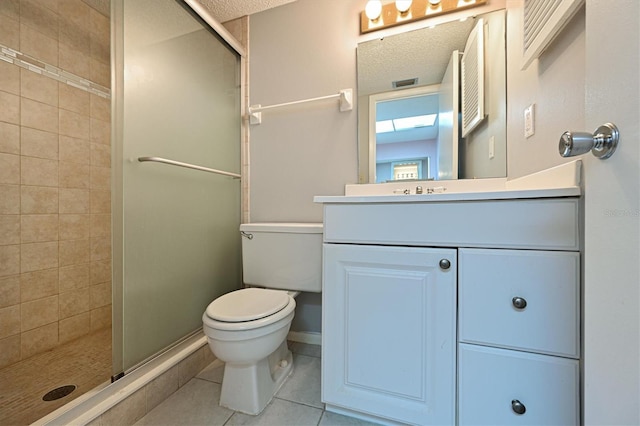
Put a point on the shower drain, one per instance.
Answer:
(58, 393)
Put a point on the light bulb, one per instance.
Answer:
(403, 5)
(434, 2)
(373, 9)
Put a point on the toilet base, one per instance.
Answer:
(248, 388)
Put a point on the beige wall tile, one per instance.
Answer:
(74, 252)
(75, 36)
(35, 15)
(74, 124)
(74, 99)
(9, 260)
(100, 201)
(38, 45)
(9, 321)
(37, 313)
(38, 143)
(75, 226)
(38, 256)
(74, 175)
(100, 177)
(101, 318)
(74, 200)
(74, 277)
(74, 302)
(75, 150)
(100, 108)
(100, 50)
(10, 8)
(128, 411)
(9, 78)
(100, 73)
(39, 171)
(100, 295)
(100, 155)
(9, 31)
(10, 111)
(100, 225)
(74, 61)
(9, 291)
(9, 168)
(9, 138)
(39, 340)
(38, 115)
(190, 366)
(100, 271)
(9, 350)
(39, 228)
(100, 131)
(100, 27)
(162, 387)
(75, 11)
(100, 248)
(39, 284)
(73, 327)
(9, 199)
(38, 87)
(9, 229)
(38, 200)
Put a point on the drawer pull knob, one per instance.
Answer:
(445, 264)
(519, 302)
(518, 407)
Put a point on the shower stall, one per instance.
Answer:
(176, 177)
(105, 260)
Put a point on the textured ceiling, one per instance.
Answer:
(422, 53)
(226, 10)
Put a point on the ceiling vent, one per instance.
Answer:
(401, 84)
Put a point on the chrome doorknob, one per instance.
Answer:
(602, 143)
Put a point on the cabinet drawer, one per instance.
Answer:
(491, 381)
(548, 282)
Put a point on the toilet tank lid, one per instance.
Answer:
(285, 227)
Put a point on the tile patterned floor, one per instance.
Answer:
(297, 403)
(85, 363)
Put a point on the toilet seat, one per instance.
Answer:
(248, 308)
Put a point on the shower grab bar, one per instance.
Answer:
(345, 98)
(188, 166)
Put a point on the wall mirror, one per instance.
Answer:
(412, 89)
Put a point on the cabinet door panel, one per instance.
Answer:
(490, 379)
(389, 332)
(548, 281)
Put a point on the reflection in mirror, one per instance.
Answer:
(410, 100)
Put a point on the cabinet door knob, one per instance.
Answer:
(519, 302)
(445, 264)
(518, 407)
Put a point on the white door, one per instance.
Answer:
(612, 217)
(389, 332)
(449, 107)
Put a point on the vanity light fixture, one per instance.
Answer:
(373, 9)
(377, 16)
(403, 6)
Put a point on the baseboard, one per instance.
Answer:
(308, 337)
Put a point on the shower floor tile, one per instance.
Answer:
(85, 363)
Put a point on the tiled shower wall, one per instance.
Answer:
(55, 160)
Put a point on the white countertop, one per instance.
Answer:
(560, 181)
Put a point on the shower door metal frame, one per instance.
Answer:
(117, 205)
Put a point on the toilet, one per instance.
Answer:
(247, 328)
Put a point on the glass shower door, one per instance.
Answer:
(178, 97)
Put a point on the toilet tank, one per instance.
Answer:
(285, 256)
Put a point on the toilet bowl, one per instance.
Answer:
(247, 328)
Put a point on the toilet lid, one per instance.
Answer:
(247, 304)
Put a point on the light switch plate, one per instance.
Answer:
(529, 121)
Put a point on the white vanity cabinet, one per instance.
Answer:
(390, 348)
(494, 339)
